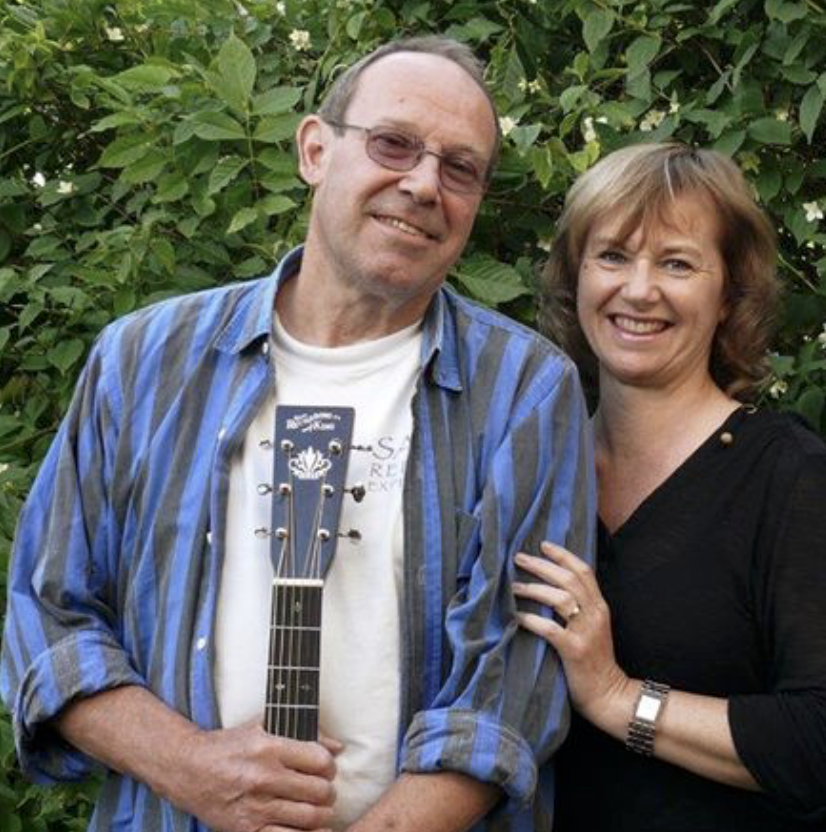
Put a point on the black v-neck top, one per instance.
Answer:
(717, 586)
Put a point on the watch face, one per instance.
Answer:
(648, 707)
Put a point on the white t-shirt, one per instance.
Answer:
(360, 638)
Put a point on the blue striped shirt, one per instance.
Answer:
(118, 554)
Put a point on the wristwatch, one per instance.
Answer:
(643, 724)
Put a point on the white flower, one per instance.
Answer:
(652, 120)
(778, 389)
(534, 86)
(781, 115)
(545, 244)
(588, 132)
(37, 227)
(675, 107)
(39, 180)
(813, 211)
(4, 466)
(300, 39)
(506, 124)
(64, 187)
(281, 8)
(114, 34)
(821, 339)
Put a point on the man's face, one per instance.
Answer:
(388, 235)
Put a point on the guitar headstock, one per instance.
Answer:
(311, 452)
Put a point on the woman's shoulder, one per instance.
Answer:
(784, 445)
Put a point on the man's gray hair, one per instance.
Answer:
(334, 106)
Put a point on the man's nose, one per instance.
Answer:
(423, 181)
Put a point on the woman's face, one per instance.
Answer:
(650, 305)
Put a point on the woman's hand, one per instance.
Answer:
(584, 643)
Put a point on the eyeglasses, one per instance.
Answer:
(396, 150)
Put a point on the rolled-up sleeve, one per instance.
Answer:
(60, 641)
(503, 710)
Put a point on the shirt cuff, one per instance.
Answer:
(76, 667)
(472, 743)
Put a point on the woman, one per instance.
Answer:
(712, 543)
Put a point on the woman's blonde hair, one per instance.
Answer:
(639, 185)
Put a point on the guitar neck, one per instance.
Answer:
(291, 709)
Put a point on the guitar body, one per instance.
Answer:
(311, 451)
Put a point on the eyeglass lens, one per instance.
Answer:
(400, 151)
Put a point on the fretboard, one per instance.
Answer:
(295, 650)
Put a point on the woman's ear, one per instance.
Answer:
(312, 141)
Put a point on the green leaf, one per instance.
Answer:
(146, 169)
(810, 406)
(770, 131)
(125, 150)
(275, 204)
(570, 97)
(597, 26)
(165, 252)
(274, 129)
(171, 188)
(243, 218)
(641, 52)
(146, 76)
(720, 11)
(65, 354)
(810, 109)
(5, 245)
(491, 281)
(235, 78)
(524, 136)
(355, 23)
(276, 101)
(224, 172)
(215, 127)
(125, 117)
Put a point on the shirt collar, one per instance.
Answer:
(252, 320)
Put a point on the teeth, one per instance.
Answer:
(638, 327)
(402, 226)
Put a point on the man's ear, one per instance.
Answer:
(312, 141)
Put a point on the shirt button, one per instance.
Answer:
(201, 643)
(209, 538)
(222, 433)
(265, 347)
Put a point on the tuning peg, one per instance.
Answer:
(264, 489)
(287, 445)
(354, 535)
(335, 447)
(367, 448)
(358, 492)
(265, 444)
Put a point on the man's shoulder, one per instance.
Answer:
(489, 323)
(194, 306)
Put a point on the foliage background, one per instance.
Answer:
(145, 150)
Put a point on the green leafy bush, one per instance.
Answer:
(145, 150)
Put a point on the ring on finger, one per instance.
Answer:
(574, 612)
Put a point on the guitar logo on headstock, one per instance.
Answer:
(310, 464)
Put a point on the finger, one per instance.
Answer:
(333, 746)
(546, 628)
(559, 600)
(292, 814)
(548, 571)
(576, 566)
(303, 788)
(307, 757)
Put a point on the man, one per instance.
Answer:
(136, 632)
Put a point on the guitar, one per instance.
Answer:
(311, 451)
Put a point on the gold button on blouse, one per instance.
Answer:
(726, 438)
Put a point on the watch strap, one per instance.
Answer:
(643, 725)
